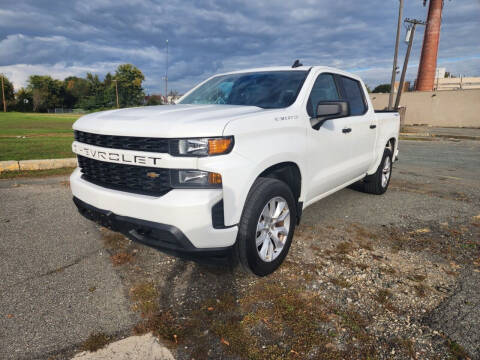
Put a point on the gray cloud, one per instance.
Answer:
(208, 36)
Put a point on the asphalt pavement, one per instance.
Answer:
(58, 284)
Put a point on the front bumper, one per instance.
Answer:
(183, 217)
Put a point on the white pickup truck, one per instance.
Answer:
(233, 164)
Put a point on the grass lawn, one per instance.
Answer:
(25, 136)
(34, 173)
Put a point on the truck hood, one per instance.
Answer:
(164, 120)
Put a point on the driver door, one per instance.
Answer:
(328, 150)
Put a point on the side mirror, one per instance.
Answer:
(327, 110)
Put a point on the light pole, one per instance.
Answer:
(166, 75)
(395, 56)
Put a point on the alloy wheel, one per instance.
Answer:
(272, 229)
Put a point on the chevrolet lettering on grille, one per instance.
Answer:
(116, 156)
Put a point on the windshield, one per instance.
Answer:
(268, 89)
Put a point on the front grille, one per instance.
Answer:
(129, 178)
(159, 145)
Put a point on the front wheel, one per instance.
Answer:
(377, 183)
(266, 227)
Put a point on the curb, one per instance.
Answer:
(13, 165)
(439, 136)
(415, 134)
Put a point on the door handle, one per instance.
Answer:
(346, 130)
(373, 126)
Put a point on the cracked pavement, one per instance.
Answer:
(459, 316)
(57, 282)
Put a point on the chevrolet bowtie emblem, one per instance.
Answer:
(152, 175)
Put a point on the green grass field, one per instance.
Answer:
(34, 173)
(25, 136)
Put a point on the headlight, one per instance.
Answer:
(195, 179)
(202, 146)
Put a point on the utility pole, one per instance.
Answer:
(166, 75)
(3, 97)
(414, 23)
(395, 56)
(116, 92)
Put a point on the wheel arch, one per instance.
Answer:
(391, 144)
(288, 172)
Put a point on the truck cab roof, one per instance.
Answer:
(299, 68)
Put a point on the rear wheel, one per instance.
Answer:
(266, 227)
(378, 182)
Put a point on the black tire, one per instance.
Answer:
(262, 191)
(372, 184)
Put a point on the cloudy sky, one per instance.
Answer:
(69, 37)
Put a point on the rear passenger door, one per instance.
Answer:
(362, 124)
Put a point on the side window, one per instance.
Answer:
(354, 95)
(324, 89)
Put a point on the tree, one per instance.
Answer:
(24, 100)
(129, 79)
(90, 93)
(9, 93)
(109, 97)
(38, 87)
(47, 93)
(383, 88)
(75, 89)
(94, 99)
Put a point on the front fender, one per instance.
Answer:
(238, 175)
(261, 140)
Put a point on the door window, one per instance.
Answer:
(324, 89)
(354, 95)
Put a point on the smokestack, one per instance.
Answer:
(431, 39)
